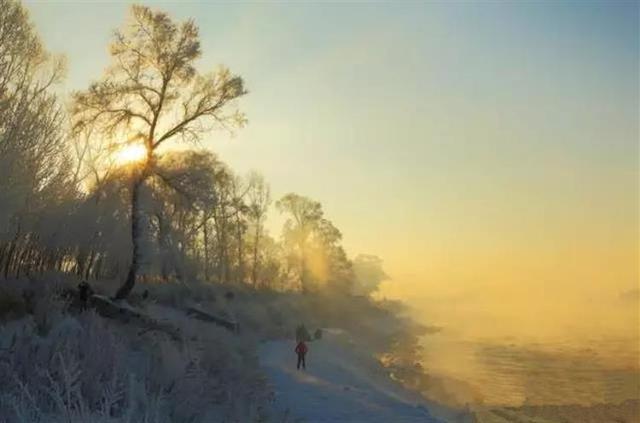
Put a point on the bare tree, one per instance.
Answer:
(259, 199)
(151, 94)
(239, 210)
(33, 171)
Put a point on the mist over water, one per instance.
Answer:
(514, 372)
(535, 354)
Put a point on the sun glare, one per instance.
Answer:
(131, 153)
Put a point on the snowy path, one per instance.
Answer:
(339, 385)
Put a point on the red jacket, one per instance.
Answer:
(301, 348)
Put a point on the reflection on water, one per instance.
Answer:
(506, 372)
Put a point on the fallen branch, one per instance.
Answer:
(208, 317)
(127, 314)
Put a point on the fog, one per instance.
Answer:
(528, 341)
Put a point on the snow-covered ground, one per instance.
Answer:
(341, 384)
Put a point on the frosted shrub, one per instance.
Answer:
(88, 369)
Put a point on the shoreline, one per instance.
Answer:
(627, 411)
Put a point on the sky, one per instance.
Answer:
(487, 151)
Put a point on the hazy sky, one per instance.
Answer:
(487, 151)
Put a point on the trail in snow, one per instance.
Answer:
(340, 384)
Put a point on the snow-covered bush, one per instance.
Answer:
(86, 368)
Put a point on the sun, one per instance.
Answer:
(131, 153)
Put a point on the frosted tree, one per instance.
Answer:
(304, 215)
(369, 273)
(229, 219)
(152, 94)
(183, 195)
(258, 201)
(313, 246)
(32, 142)
(337, 268)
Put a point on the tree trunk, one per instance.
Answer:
(10, 251)
(303, 270)
(206, 249)
(240, 251)
(254, 273)
(89, 264)
(126, 288)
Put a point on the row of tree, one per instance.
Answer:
(67, 204)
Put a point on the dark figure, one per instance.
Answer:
(317, 334)
(84, 293)
(145, 294)
(301, 350)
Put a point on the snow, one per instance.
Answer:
(341, 384)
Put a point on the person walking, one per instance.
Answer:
(301, 350)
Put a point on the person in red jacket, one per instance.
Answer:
(301, 350)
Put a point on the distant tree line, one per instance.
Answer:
(68, 205)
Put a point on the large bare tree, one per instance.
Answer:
(153, 94)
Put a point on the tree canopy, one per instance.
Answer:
(68, 204)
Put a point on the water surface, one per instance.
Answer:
(512, 372)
